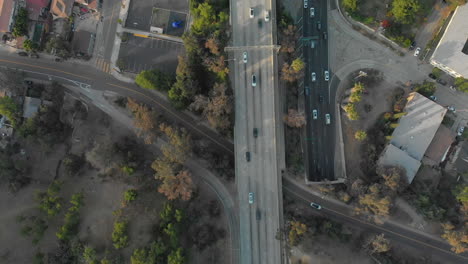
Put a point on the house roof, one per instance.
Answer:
(91, 4)
(6, 11)
(417, 128)
(31, 106)
(61, 8)
(442, 141)
(452, 50)
(393, 156)
(82, 41)
(35, 7)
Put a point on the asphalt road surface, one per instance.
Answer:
(259, 158)
(319, 95)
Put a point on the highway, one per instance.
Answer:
(319, 137)
(259, 157)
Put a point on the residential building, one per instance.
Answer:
(414, 134)
(8, 9)
(39, 19)
(451, 54)
(61, 8)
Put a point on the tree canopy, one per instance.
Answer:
(462, 84)
(405, 11)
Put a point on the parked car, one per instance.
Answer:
(460, 130)
(34, 55)
(22, 53)
(305, 3)
(28, 83)
(413, 44)
(312, 44)
(316, 206)
(244, 57)
(441, 81)
(254, 80)
(58, 60)
(258, 214)
(267, 15)
(251, 198)
(433, 98)
(452, 108)
(314, 114)
(417, 51)
(432, 76)
(453, 88)
(255, 132)
(251, 12)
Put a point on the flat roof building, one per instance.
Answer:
(451, 54)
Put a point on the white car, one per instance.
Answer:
(327, 119)
(316, 206)
(267, 15)
(305, 3)
(314, 114)
(254, 80)
(251, 198)
(460, 131)
(251, 11)
(314, 76)
(244, 57)
(312, 44)
(451, 108)
(327, 76)
(417, 51)
(312, 12)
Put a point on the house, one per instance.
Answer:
(414, 134)
(61, 8)
(30, 106)
(89, 4)
(439, 147)
(83, 42)
(451, 54)
(7, 14)
(39, 19)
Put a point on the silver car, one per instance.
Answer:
(314, 114)
(244, 57)
(314, 76)
(312, 12)
(327, 119)
(251, 198)
(305, 3)
(327, 76)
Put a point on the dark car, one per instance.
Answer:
(307, 91)
(441, 81)
(34, 55)
(247, 156)
(432, 76)
(28, 82)
(255, 132)
(319, 25)
(58, 59)
(413, 44)
(324, 35)
(24, 54)
(259, 214)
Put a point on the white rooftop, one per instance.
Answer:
(417, 128)
(449, 50)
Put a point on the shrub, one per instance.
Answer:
(437, 72)
(119, 235)
(155, 80)
(49, 201)
(128, 170)
(426, 88)
(360, 135)
(130, 195)
(72, 218)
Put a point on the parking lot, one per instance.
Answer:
(141, 12)
(139, 53)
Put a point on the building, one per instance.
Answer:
(30, 106)
(7, 14)
(451, 54)
(61, 8)
(414, 134)
(39, 19)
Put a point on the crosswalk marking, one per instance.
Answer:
(103, 65)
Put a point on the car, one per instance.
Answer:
(432, 76)
(28, 83)
(305, 3)
(251, 197)
(451, 108)
(313, 76)
(258, 214)
(441, 81)
(460, 131)
(255, 132)
(314, 114)
(247, 156)
(327, 76)
(312, 44)
(413, 44)
(22, 53)
(100, 4)
(58, 60)
(312, 12)
(417, 51)
(324, 34)
(320, 99)
(307, 90)
(327, 119)
(34, 55)
(316, 206)
(433, 98)
(319, 25)
(244, 57)
(453, 88)
(254, 80)
(251, 12)
(267, 15)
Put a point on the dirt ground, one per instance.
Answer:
(103, 194)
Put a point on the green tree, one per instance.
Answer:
(298, 65)
(176, 257)
(426, 88)
(437, 72)
(89, 255)
(350, 5)
(405, 11)
(9, 109)
(154, 79)
(49, 201)
(72, 218)
(205, 18)
(360, 135)
(462, 84)
(351, 111)
(130, 195)
(119, 235)
(21, 23)
(29, 46)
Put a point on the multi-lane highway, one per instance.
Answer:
(258, 132)
(318, 94)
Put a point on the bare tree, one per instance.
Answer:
(295, 118)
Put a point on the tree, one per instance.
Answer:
(59, 46)
(297, 229)
(360, 135)
(154, 80)
(49, 201)
(205, 19)
(179, 146)
(462, 84)
(426, 88)
(10, 109)
(350, 5)
(457, 239)
(130, 195)
(294, 118)
(436, 72)
(72, 218)
(29, 46)
(351, 111)
(119, 235)
(378, 244)
(144, 119)
(185, 86)
(21, 23)
(293, 72)
(12, 81)
(288, 39)
(375, 203)
(89, 255)
(73, 163)
(394, 178)
(176, 257)
(298, 65)
(213, 45)
(178, 186)
(405, 11)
